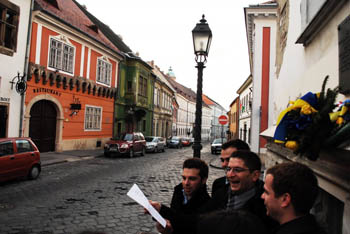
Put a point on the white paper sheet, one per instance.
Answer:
(137, 195)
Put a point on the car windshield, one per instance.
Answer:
(150, 139)
(175, 138)
(127, 137)
(218, 141)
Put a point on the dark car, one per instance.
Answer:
(174, 142)
(155, 144)
(128, 144)
(217, 144)
(19, 157)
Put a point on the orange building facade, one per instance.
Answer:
(72, 81)
(233, 116)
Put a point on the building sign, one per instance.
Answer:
(3, 99)
(45, 90)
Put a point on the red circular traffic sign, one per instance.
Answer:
(223, 119)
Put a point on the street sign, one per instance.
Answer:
(223, 119)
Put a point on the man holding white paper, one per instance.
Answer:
(188, 196)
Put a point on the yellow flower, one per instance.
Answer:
(307, 110)
(293, 145)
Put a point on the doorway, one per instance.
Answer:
(3, 121)
(42, 126)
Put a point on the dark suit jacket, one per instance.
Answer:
(303, 225)
(217, 184)
(180, 210)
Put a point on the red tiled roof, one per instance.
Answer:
(70, 13)
(206, 100)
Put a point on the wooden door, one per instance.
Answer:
(42, 126)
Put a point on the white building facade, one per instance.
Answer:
(261, 34)
(245, 109)
(15, 30)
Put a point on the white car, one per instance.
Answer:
(155, 144)
(217, 144)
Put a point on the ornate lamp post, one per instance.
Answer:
(201, 41)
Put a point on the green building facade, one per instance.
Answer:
(134, 104)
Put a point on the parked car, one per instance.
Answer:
(155, 144)
(217, 144)
(191, 140)
(175, 142)
(128, 144)
(19, 157)
(186, 141)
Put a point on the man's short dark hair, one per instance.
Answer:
(299, 181)
(236, 143)
(197, 164)
(230, 222)
(250, 159)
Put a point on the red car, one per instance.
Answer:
(128, 144)
(186, 141)
(19, 157)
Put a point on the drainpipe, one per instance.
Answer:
(26, 64)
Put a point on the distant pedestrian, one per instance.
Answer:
(227, 149)
(290, 192)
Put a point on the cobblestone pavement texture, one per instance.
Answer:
(91, 194)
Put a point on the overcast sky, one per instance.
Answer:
(160, 30)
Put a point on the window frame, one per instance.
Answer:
(23, 142)
(106, 64)
(9, 6)
(8, 142)
(65, 43)
(91, 118)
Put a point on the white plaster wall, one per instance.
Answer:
(10, 65)
(261, 22)
(304, 68)
(245, 117)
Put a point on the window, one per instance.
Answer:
(23, 146)
(93, 118)
(61, 55)
(6, 148)
(104, 71)
(129, 88)
(142, 86)
(156, 97)
(9, 15)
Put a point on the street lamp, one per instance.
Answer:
(201, 41)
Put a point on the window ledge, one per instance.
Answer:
(332, 165)
(323, 16)
(6, 51)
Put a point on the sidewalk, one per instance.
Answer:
(50, 158)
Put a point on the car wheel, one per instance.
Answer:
(143, 152)
(156, 150)
(163, 150)
(34, 172)
(212, 152)
(131, 153)
(106, 154)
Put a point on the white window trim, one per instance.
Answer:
(100, 127)
(64, 40)
(105, 60)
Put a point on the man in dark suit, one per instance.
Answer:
(290, 192)
(227, 149)
(189, 195)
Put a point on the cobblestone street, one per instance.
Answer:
(91, 194)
